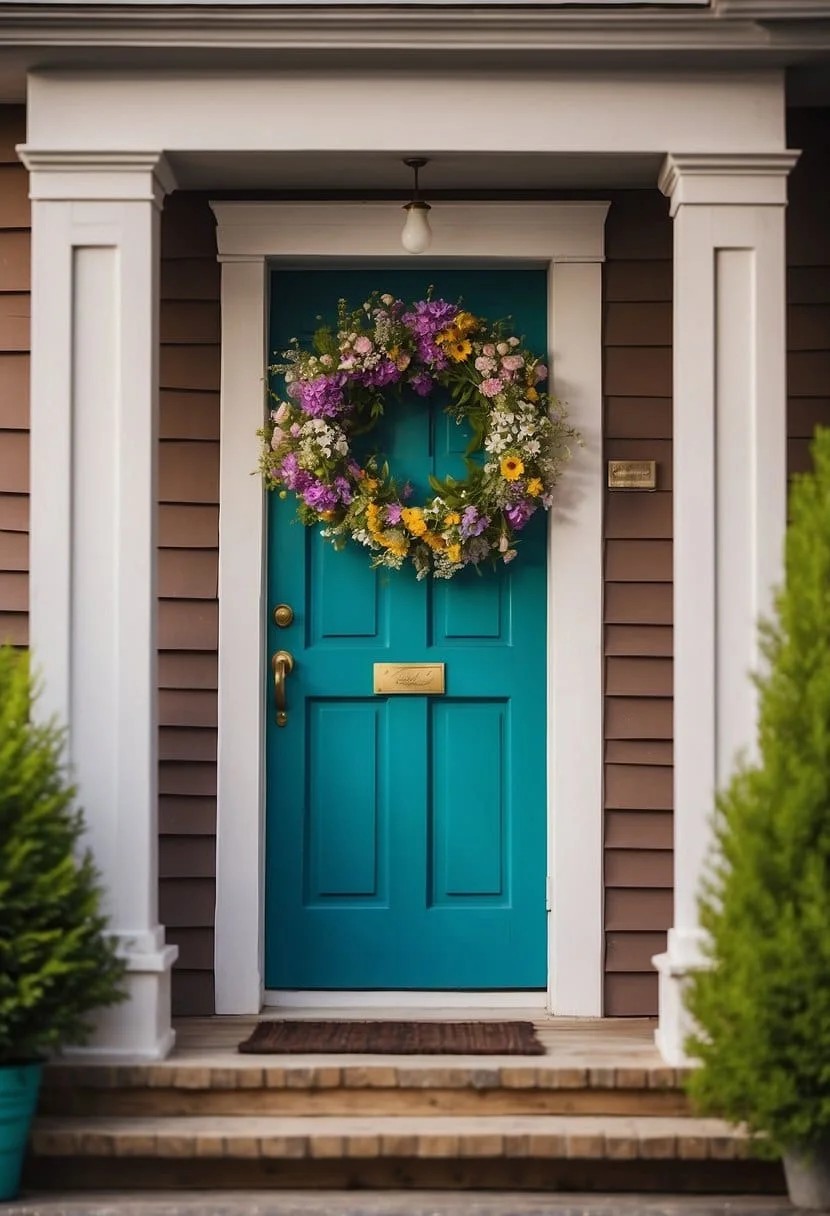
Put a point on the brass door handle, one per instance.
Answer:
(282, 664)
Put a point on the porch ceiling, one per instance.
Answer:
(384, 173)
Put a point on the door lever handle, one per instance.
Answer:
(282, 664)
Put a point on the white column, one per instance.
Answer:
(729, 500)
(95, 265)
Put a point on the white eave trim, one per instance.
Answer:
(409, 27)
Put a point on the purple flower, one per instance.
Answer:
(354, 468)
(407, 490)
(421, 383)
(344, 490)
(518, 514)
(320, 497)
(378, 377)
(322, 397)
(472, 522)
(393, 513)
(429, 317)
(292, 475)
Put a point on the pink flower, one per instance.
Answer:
(280, 414)
(363, 345)
(491, 388)
(540, 371)
(502, 348)
(484, 364)
(512, 363)
(277, 437)
(489, 350)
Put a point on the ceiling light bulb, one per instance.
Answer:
(417, 234)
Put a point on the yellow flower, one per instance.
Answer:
(452, 518)
(535, 487)
(531, 394)
(413, 518)
(327, 515)
(511, 467)
(454, 553)
(460, 350)
(465, 322)
(434, 542)
(372, 484)
(448, 335)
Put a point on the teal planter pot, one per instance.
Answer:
(19, 1085)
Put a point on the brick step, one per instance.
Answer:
(525, 1152)
(176, 1089)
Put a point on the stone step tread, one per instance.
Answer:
(409, 1072)
(321, 1136)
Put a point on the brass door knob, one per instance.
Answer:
(283, 615)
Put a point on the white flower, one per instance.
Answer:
(533, 447)
(495, 444)
(387, 300)
(342, 445)
(502, 348)
(513, 341)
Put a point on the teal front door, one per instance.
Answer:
(405, 836)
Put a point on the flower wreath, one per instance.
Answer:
(340, 388)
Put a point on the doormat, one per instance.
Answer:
(395, 1038)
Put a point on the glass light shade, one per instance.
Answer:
(417, 234)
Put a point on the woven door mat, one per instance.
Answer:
(395, 1038)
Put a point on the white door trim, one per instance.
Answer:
(568, 238)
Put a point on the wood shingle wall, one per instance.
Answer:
(188, 607)
(14, 381)
(637, 311)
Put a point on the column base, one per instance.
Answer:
(139, 1027)
(675, 1024)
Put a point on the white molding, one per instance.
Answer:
(555, 234)
(620, 112)
(66, 176)
(773, 10)
(729, 513)
(727, 179)
(94, 451)
(403, 1003)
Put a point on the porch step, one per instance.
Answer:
(412, 1087)
(525, 1152)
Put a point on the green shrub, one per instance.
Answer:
(763, 1006)
(56, 966)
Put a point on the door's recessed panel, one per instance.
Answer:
(346, 802)
(470, 609)
(335, 617)
(467, 828)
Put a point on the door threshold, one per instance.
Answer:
(403, 1004)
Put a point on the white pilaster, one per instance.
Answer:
(729, 499)
(94, 424)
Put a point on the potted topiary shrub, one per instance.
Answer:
(56, 965)
(762, 1006)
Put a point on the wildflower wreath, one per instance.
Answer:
(340, 388)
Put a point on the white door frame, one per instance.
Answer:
(567, 237)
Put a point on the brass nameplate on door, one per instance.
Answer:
(418, 678)
(632, 474)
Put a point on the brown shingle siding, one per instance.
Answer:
(637, 373)
(14, 381)
(188, 578)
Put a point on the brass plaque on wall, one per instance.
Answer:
(417, 678)
(632, 474)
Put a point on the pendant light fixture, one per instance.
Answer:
(417, 235)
